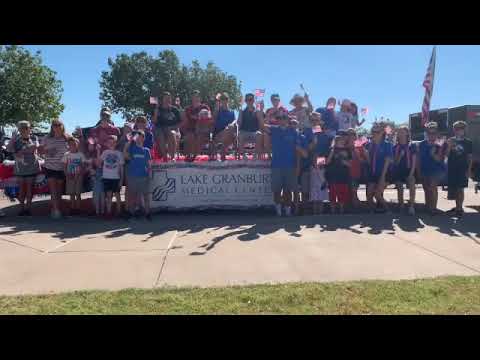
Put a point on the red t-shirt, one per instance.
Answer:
(358, 156)
(101, 134)
(191, 113)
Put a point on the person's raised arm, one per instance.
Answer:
(309, 104)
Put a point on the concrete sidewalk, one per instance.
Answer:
(38, 255)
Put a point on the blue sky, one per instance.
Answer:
(386, 79)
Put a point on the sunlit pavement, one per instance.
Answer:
(40, 255)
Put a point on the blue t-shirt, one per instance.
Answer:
(322, 149)
(284, 146)
(328, 117)
(405, 162)
(378, 153)
(428, 165)
(224, 118)
(138, 164)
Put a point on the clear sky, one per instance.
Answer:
(386, 79)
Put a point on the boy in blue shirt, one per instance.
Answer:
(432, 166)
(285, 144)
(139, 172)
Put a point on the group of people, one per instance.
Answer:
(315, 156)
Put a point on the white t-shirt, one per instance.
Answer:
(112, 163)
(345, 120)
(74, 162)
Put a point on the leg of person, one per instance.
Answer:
(118, 202)
(161, 142)
(108, 198)
(459, 201)
(59, 187)
(52, 188)
(426, 191)
(434, 193)
(399, 187)
(276, 186)
(258, 145)
(290, 187)
(29, 195)
(379, 196)
(22, 190)
(146, 200)
(370, 195)
(411, 200)
(267, 145)
(189, 144)
(172, 143)
(332, 194)
(343, 194)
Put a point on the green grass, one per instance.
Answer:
(447, 295)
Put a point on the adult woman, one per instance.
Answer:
(354, 112)
(380, 154)
(301, 113)
(24, 146)
(344, 117)
(54, 146)
(167, 119)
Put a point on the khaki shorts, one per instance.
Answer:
(248, 137)
(74, 185)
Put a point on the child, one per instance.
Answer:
(139, 172)
(95, 172)
(112, 162)
(380, 155)
(203, 132)
(285, 143)
(74, 162)
(432, 166)
(404, 164)
(318, 185)
(459, 153)
(359, 162)
(250, 123)
(24, 147)
(338, 173)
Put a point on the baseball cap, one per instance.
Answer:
(106, 110)
(275, 97)
(23, 124)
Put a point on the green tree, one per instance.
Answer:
(29, 90)
(131, 79)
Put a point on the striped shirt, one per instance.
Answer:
(55, 148)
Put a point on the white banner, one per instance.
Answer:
(211, 185)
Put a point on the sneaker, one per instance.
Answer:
(452, 211)
(411, 211)
(288, 211)
(278, 209)
(459, 213)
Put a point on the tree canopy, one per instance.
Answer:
(127, 86)
(29, 90)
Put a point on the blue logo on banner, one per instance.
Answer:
(166, 186)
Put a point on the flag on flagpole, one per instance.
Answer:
(259, 93)
(428, 85)
(364, 111)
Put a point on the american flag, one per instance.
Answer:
(259, 93)
(428, 85)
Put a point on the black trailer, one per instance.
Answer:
(445, 118)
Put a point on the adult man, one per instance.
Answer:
(300, 112)
(250, 124)
(224, 130)
(330, 122)
(189, 126)
(270, 115)
(459, 153)
(166, 119)
(104, 129)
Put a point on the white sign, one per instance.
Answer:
(211, 185)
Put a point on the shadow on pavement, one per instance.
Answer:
(245, 226)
